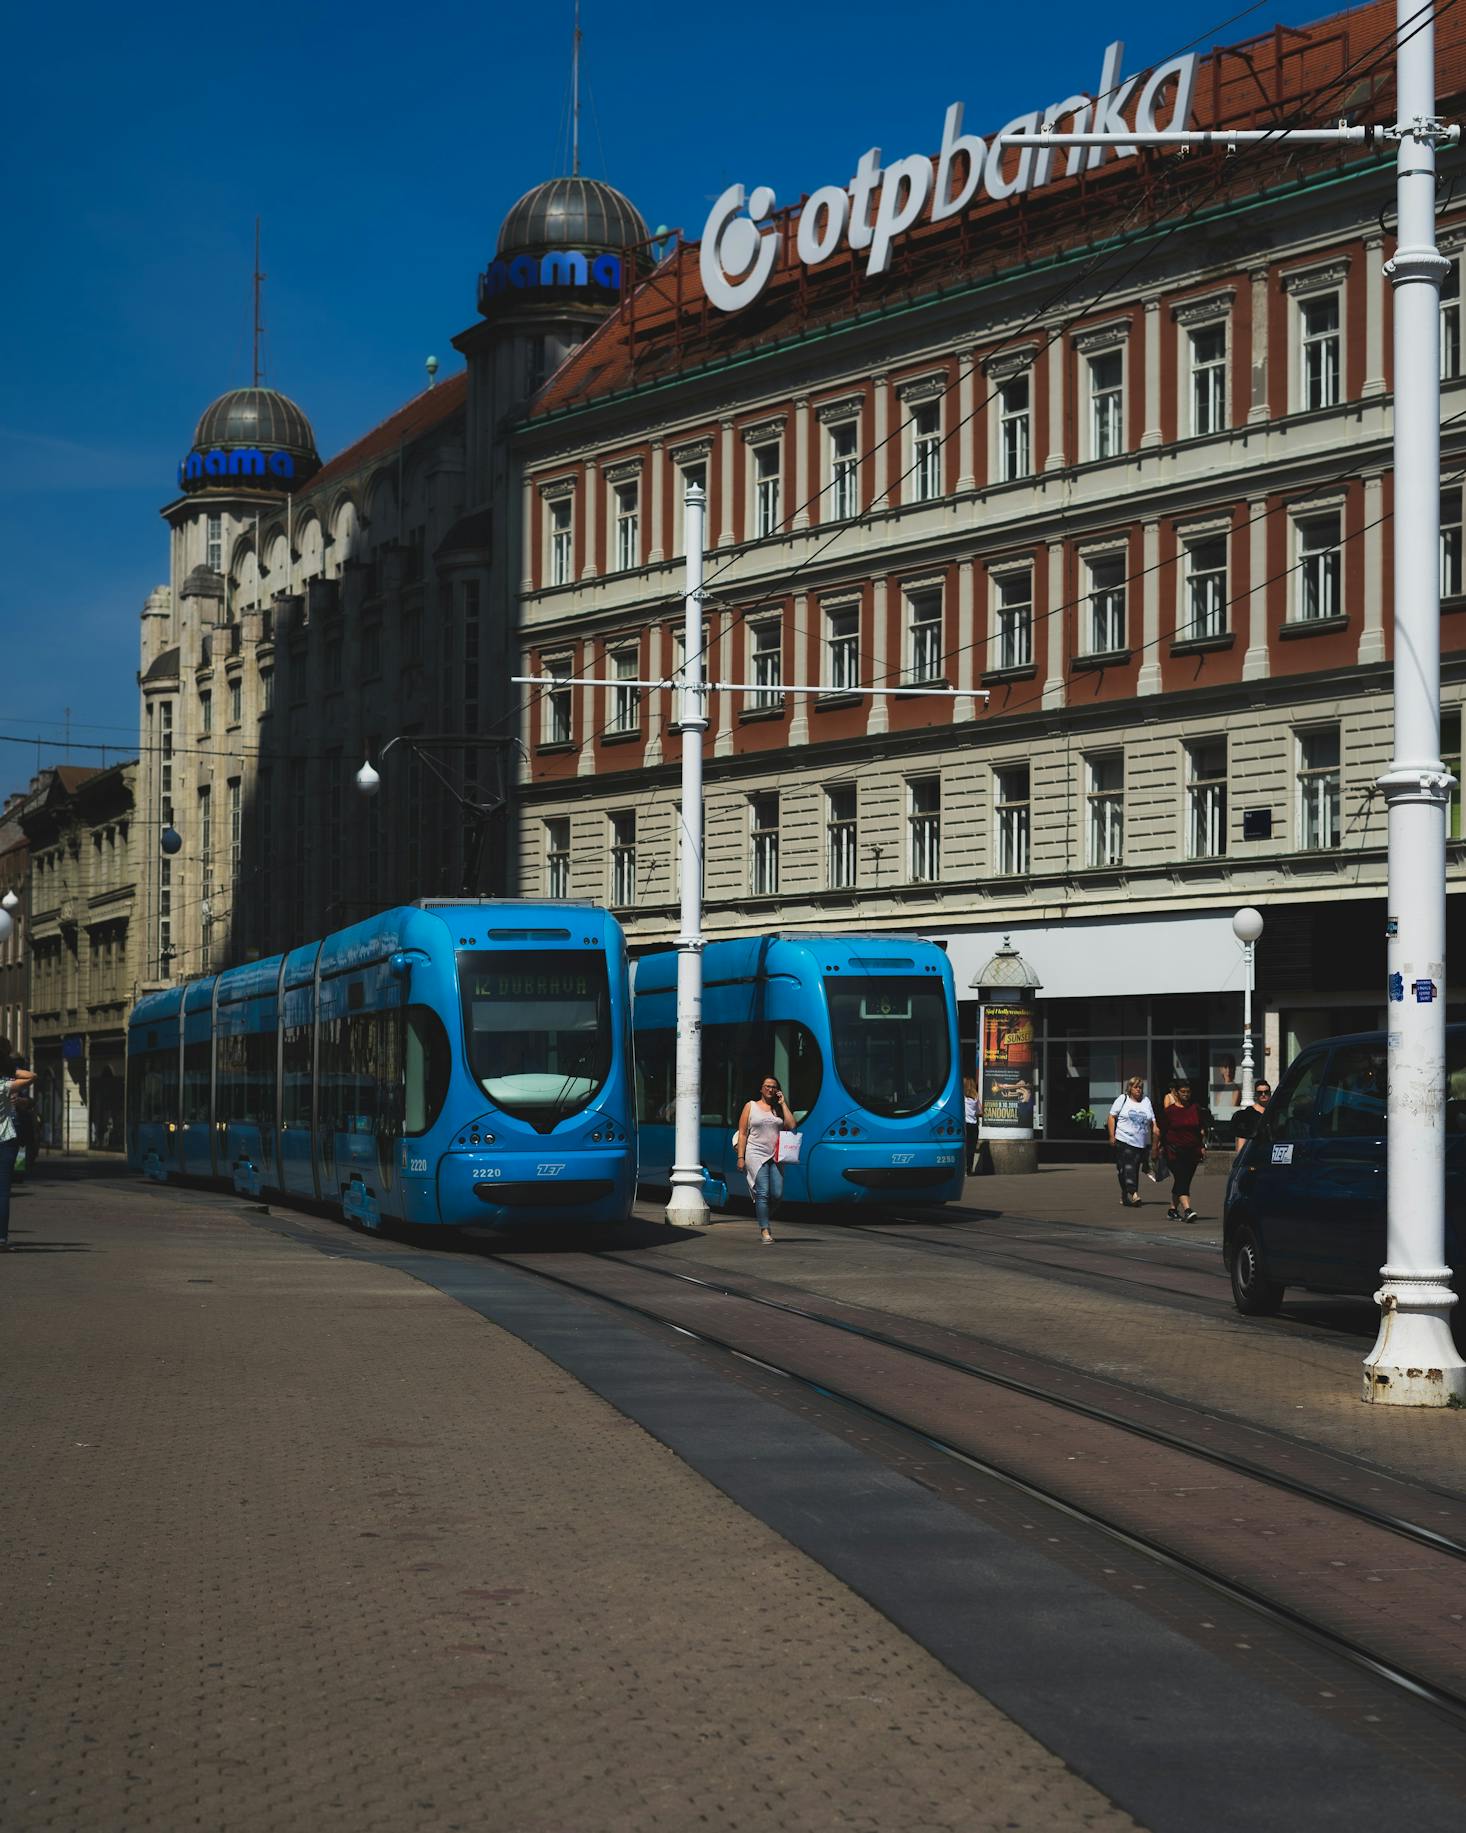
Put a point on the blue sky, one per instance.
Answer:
(382, 146)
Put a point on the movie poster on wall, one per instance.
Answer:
(1007, 1066)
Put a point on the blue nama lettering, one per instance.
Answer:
(561, 267)
(238, 461)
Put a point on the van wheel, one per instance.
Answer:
(1253, 1293)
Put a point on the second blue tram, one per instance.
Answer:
(447, 1063)
(861, 1032)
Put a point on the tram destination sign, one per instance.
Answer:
(737, 257)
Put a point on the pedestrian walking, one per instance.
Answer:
(1249, 1118)
(759, 1126)
(971, 1123)
(1133, 1134)
(1183, 1140)
(12, 1080)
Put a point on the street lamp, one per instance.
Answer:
(10, 901)
(369, 782)
(1247, 927)
(170, 840)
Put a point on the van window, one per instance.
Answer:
(1352, 1101)
(1291, 1114)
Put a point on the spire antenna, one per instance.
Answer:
(259, 332)
(575, 97)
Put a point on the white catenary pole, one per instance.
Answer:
(1414, 1362)
(688, 1206)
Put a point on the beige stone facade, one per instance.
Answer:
(84, 949)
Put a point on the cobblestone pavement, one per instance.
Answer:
(1298, 1374)
(296, 1542)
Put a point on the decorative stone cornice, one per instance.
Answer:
(1004, 364)
(923, 388)
(626, 472)
(762, 431)
(558, 487)
(1206, 309)
(1102, 337)
(1317, 278)
(693, 451)
(848, 407)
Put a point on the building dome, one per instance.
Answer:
(579, 213)
(251, 438)
(256, 417)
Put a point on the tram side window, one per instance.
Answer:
(259, 1059)
(735, 1058)
(196, 1083)
(426, 1068)
(361, 1073)
(297, 1090)
(229, 1056)
(332, 1106)
(796, 1062)
(656, 1077)
(153, 1092)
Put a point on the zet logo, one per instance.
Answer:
(549, 1170)
(735, 257)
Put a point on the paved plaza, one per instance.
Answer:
(297, 1541)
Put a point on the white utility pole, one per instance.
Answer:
(1414, 1362)
(688, 1204)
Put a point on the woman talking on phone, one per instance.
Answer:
(759, 1126)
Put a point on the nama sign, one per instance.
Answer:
(243, 462)
(879, 203)
(561, 267)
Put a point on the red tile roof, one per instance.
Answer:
(1339, 67)
(418, 416)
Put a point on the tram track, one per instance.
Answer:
(1014, 1453)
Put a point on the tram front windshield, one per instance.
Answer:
(538, 1028)
(892, 1042)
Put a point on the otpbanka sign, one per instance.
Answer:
(880, 203)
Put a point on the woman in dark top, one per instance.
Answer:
(1183, 1140)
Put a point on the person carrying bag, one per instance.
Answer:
(1133, 1133)
(764, 1123)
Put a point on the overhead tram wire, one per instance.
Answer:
(1351, 73)
(1380, 53)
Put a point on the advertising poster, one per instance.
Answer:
(1007, 1066)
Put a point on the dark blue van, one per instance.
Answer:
(1306, 1195)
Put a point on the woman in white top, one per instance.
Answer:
(11, 1079)
(1134, 1134)
(758, 1141)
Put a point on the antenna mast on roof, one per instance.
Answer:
(575, 97)
(259, 327)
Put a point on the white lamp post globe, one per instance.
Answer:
(1247, 924)
(367, 780)
(10, 901)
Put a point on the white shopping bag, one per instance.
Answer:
(786, 1147)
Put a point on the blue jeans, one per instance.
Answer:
(768, 1190)
(9, 1148)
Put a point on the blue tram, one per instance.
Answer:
(445, 1062)
(861, 1032)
